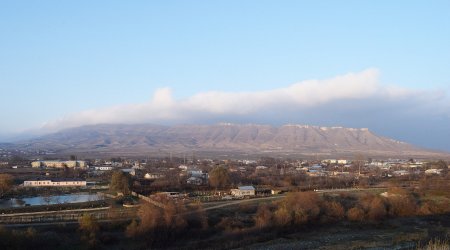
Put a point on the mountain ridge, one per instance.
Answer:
(139, 139)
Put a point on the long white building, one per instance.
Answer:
(55, 183)
(58, 164)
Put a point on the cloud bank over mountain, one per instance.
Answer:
(354, 100)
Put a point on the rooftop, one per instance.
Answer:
(246, 188)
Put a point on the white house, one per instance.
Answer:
(400, 173)
(183, 167)
(103, 168)
(433, 171)
(342, 161)
(243, 191)
(194, 181)
(153, 176)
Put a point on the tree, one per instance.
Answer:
(219, 177)
(120, 182)
(172, 216)
(159, 225)
(6, 183)
(263, 217)
(150, 218)
(401, 202)
(282, 216)
(305, 206)
(197, 218)
(89, 228)
(298, 208)
(358, 163)
(132, 229)
(442, 165)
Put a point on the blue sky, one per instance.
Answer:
(69, 63)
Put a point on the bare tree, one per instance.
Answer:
(6, 183)
(89, 228)
(219, 177)
(263, 217)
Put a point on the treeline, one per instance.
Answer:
(159, 227)
(309, 208)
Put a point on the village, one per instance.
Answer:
(208, 179)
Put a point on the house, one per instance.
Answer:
(400, 173)
(342, 161)
(36, 164)
(153, 176)
(433, 171)
(315, 167)
(197, 177)
(194, 181)
(104, 168)
(55, 183)
(314, 172)
(329, 161)
(196, 173)
(130, 171)
(275, 191)
(183, 167)
(243, 191)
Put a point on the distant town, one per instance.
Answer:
(179, 173)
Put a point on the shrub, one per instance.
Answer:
(334, 211)
(377, 209)
(355, 214)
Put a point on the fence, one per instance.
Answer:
(149, 200)
(104, 213)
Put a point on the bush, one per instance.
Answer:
(377, 209)
(355, 214)
(334, 211)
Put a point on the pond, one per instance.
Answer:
(50, 200)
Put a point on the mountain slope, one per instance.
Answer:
(250, 138)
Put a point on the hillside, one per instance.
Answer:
(221, 138)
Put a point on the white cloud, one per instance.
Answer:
(304, 94)
(310, 94)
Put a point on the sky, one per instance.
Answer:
(376, 64)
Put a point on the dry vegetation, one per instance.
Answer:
(183, 225)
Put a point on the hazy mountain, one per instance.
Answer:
(144, 139)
